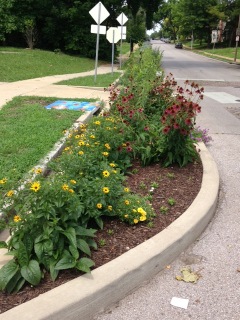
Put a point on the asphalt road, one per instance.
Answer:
(216, 253)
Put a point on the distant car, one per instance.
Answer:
(178, 45)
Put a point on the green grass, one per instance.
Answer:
(103, 80)
(29, 131)
(125, 48)
(20, 64)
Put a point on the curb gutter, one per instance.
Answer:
(90, 294)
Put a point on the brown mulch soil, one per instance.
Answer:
(181, 184)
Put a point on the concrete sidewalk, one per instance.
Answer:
(46, 87)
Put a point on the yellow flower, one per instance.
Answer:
(135, 221)
(134, 210)
(10, 193)
(127, 202)
(107, 146)
(124, 145)
(97, 122)
(126, 189)
(110, 208)
(99, 205)
(80, 153)
(38, 170)
(4, 180)
(108, 128)
(67, 148)
(126, 216)
(35, 186)
(143, 218)
(70, 135)
(87, 144)
(106, 174)
(81, 143)
(77, 136)
(16, 219)
(71, 190)
(114, 171)
(73, 181)
(92, 136)
(65, 187)
(105, 190)
(112, 165)
(105, 154)
(140, 210)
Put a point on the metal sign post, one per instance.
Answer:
(99, 13)
(122, 19)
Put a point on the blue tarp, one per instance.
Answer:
(73, 105)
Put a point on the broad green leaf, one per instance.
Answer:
(32, 272)
(28, 242)
(22, 255)
(53, 271)
(83, 246)
(7, 272)
(71, 235)
(11, 286)
(74, 252)
(38, 248)
(84, 265)
(67, 262)
(3, 244)
(99, 222)
(80, 231)
(92, 243)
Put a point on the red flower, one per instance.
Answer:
(166, 129)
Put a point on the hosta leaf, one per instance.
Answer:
(7, 272)
(67, 262)
(84, 265)
(38, 248)
(12, 284)
(92, 243)
(32, 272)
(83, 246)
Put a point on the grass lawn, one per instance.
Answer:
(21, 64)
(103, 80)
(29, 131)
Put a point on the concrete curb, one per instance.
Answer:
(88, 295)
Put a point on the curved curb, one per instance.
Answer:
(85, 296)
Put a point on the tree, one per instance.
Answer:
(7, 21)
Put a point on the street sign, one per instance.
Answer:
(113, 35)
(214, 36)
(99, 13)
(238, 32)
(122, 19)
(237, 38)
(123, 31)
(94, 29)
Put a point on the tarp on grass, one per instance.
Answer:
(74, 105)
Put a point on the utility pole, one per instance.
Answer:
(237, 39)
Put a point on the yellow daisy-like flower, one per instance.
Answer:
(80, 153)
(135, 221)
(82, 136)
(73, 181)
(38, 170)
(81, 143)
(67, 148)
(141, 211)
(126, 216)
(71, 190)
(105, 154)
(143, 218)
(87, 145)
(105, 190)
(124, 145)
(97, 123)
(35, 186)
(110, 208)
(10, 193)
(92, 136)
(4, 180)
(126, 189)
(99, 205)
(127, 202)
(77, 136)
(65, 187)
(108, 128)
(106, 174)
(70, 135)
(16, 219)
(112, 165)
(107, 146)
